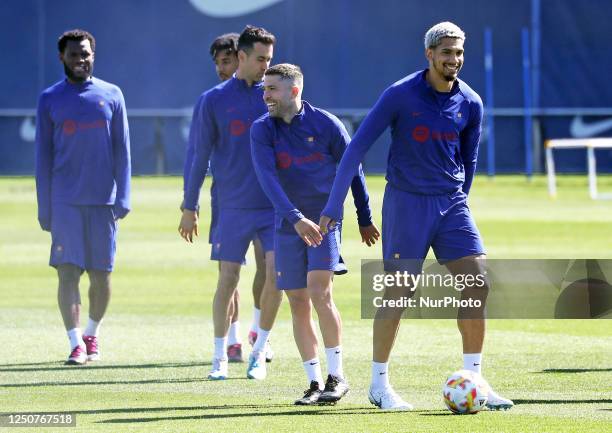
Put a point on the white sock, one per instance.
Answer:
(313, 371)
(234, 333)
(380, 375)
(472, 361)
(256, 315)
(334, 361)
(76, 338)
(93, 328)
(221, 348)
(260, 343)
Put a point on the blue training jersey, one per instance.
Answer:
(434, 144)
(82, 147)
(220, 133)
(296, 163)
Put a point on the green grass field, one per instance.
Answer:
(157, 337)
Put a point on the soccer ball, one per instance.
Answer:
(465, 392)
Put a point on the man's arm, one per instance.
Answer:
(381, 116)
(264, 162)
(44, 163)
(358, 185)
(188, 164)
(368, 230)
(190, 150)
(188, 159)
(122, 168)
(202, 135)
(470, 138)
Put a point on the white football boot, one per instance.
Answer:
(219, 369)
(388, 399)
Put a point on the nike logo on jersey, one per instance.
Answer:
(384, 372)
(313, 363)
(580, 129)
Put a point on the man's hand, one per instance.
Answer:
(369, 234)
(189, 225)
(326, 223)
(309, 232)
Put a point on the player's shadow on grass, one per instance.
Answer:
(165, 409)
(367, 409)
(435, 413)
(109, 382)
(28, 364)
(58, 366)
(575, 370)
(318, 411)
(572, 401)
(176, 408)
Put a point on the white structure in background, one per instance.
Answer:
(577, 143)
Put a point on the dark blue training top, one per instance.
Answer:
(296, 163)
(82, 147)
(220, 133)
(434, 144)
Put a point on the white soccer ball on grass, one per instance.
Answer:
(465, 392)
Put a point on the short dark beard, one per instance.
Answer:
(73, 78)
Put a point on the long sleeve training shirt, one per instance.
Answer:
(434, 144)
(82, 147)
(296, 163)
(220, 136)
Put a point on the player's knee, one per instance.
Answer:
(478, 288)
(69, 276)
(228, 277)
(100, 280)
(399, 292)
(299, 303)
(321, 298)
